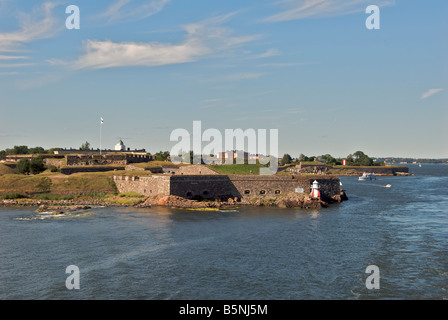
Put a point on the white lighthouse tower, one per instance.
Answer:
(315, 193)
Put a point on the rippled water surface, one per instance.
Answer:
(248, 253)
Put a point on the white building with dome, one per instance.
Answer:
(120, 146)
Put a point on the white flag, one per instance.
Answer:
(102, 121)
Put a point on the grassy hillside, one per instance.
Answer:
(56, 183)
(6, 170)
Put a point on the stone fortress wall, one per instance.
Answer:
(226, 186)
(96, 159)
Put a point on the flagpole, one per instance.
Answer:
(101, 125)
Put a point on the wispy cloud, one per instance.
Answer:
(241, 76)
(301, 9)
(202, 39)
(11, 73)
(6, 57)
(212, 100)
(294, 111)
(128, 10)
(267, 54)
(430, 92)
(31, 29)
(286, 64)
(15, 65)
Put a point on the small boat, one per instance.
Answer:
(388, 186)
(367, 176)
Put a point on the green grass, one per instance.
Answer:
(130, 194)
(314, 163)
(56, 183)
(155, 164)
(24, 184)
(53, 196)
(10, 196)
(4, 169)
(236, 168)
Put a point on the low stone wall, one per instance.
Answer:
(73, 169)
(54, 162)
(97, 159)
(130, 167)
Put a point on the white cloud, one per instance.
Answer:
(125, 10)
(430, 92)
(6, 57)
(30, 28)
(15, 65)
(294, 111)
(12, 73)
(285, 64)
(269, 53)
(242, 76)
(203, 39)
(301, 9)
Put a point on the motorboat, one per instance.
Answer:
(367, 176)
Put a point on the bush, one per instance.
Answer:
(54, 169)
(23, 166)
(37, 165)
(9, 196)
(53, 196)
(91, 194)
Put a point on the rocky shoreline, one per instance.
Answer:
(61, 206)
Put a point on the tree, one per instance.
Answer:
(23, 166)
(350, 159)
(161, 155)
(37, 165)
(330, 160)
(366, 161)
(18, 150)
(303, 157)
(358, 155)
(286, 159)
(36, 150)
(52, 150)
(359, 158)
(85, 146)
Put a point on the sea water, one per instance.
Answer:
(246, 253)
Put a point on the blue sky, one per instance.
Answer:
(309, 68)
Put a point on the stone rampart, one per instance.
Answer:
(148, 186)
(97, 159)
(75, 169)
(226, 186)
